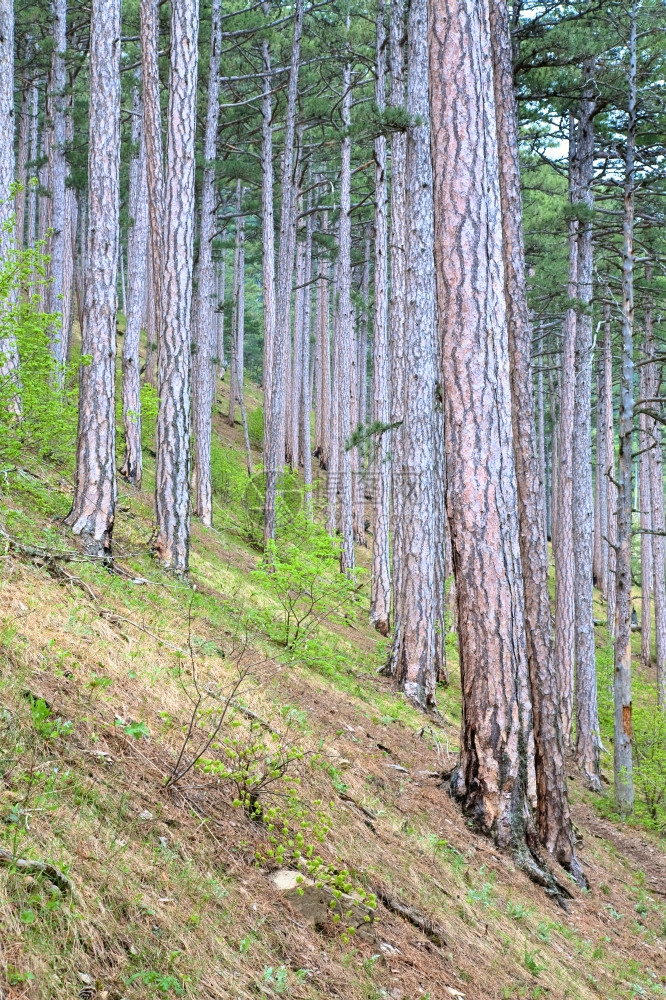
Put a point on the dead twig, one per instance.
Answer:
(413, 916)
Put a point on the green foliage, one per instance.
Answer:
(46, 726)
(306, 584)
(255, 426)
(159, 982)
(533, 960)
(46, 397)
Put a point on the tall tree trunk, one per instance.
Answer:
(380, 587)
(93, 511)
(413, 655)
(599, 496)
(602, 451)
(172, 500)
(22, 160)
(541, 452)
(219, 329)
(496, 778)
(9, 358)
(333, 467)
(237, 306)
(658, 521)
(360, 400)
(323, 352)
(611, 487)
(588, 738)
(623, 770)
(274, 432)
(345, 330)
(137, 246)
(293, 428)
(152, 124)
(645, 505)
(267, 217)
(553, 818)
(58, 169)
(31, 234)
(397, 237)
(205, 333)
(306, 391)
(69, 251)
(565, 560)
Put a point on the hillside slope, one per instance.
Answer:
(114, 683)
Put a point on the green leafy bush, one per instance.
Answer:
(255, 426)
(47, 397)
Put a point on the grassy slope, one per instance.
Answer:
(169, 895)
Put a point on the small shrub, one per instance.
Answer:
(255, 427)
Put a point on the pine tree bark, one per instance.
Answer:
(137, 246)
(152, 124)
(31, 234)
(306, 391)
(588, 739)
(237, 308)
(397, 238)
(602, 460)
(58, 168)
(380, 587)
(69, 251)
(495, 780)
(333, 467)
(413, 654)
(323, 358)
(345, 332)
(93, 511)
(23, 141)
(294, 410)
(611, 487)
(359, 401)
(274, 431)
(565, 560)
(172, 501)
(205, 334)
(658, 520)
(9, 358)
(267, 218)
(623, 767)
(645, 504)
(553, 818)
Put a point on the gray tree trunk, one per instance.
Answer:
(93, 511)
(58, 170)
(137, 247)
(9, 359)
(205, 333)
(622, 730)
(588, 739)
(31, 234)
(380, 586)
(413, 655)
(172, 500)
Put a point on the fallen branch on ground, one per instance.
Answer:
(39, 868)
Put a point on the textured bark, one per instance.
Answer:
(565, 561)
(9, 359)
(496, 779)
(622, 730)
(204, 330)
(93, 510)
(609, 471)
(655, 474)
(267, 218)
(397, 291)
(274, 429)
(553, 818)
(333, 466)
(345, 332)
(172, 501)
(380, 587)
(645, 506)
(541, 452)
(598, 573)
(152, 124)
(306, 391)
(294, 410)
(69, 250)
(80, 270)
(588, 740)
(359, 400)
(603, 445)
(31, 233)
(23, 141)
(237, 309)
(58, 167)
(137, 247)
(323, 353)
(220, 360)
(413, 654)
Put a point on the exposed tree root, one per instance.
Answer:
(40, 869)
(417, 919)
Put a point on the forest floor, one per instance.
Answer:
(170, 889)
